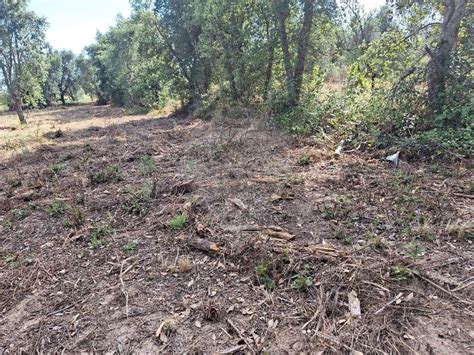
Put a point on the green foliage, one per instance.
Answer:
(304, 160)
(7, 224)
(22, 62)
(20, 213)
(55, 169)
(56, 209)
(130, 247)
(111, 173)
(9, 259)
(99, 235)
(402, 273)
(76, 217)
(303, 280)
(263, 273)
(136, 201)
(178, 222)
(414, 250)
(147, 165)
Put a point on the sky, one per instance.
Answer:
(73, 24)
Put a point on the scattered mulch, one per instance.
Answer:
(224, 242)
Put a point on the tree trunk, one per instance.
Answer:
(63, 99)
(19, 110)
(271, 56)
(282, 9)
(440, 57)
(302, 49)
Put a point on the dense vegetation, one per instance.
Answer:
(400, 75)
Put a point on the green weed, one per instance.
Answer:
(110, 174)
(99, 235)
(136, 201)
(304, 160)
(20, 213)
(56, 209)
(147, 165)
(303, 280)
(403, 273)
(263, 271)
(178, 222)
(130, 247)
(414, 250)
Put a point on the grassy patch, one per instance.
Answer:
(99, 235)
(137, 200)
(147, 165)
(56, 209)
(178, 222)
(112, 173)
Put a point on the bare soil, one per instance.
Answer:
(142, 234)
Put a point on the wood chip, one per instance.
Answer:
(238, 203)
(203, 245)
(354, 304)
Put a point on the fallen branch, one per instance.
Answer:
(240, 335)
(397, 297)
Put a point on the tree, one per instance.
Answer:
(180, 25)
(440, 57)
(21, 45)
(51, 84)
(294, 72)
(69, 76)
(87, 76)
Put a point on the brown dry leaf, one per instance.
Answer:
(354, 304)
(238, 203)
(164, 326)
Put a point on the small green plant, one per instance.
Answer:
(136, 201)
(303, 280)
(56, 208)
(263, 271)
(344, 238)
(20, 213)
(76, 217)
(110, 174)
(55, 169)
(295, 180)
(304, 160)
(99, 235)
(130, 247)
(403, 273)
(376, 242)
(147, 165)
(178, 222)
(328, 212)
(7, 224)
(414, 250)
(9, 259)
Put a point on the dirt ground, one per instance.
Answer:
(142, 234)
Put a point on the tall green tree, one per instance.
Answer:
(294, 68)
(22, 41)
(68, 84)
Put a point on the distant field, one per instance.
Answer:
(3, 108)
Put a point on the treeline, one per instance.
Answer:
(401, 73)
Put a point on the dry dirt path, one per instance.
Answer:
(140, 234)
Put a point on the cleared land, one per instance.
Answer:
(136, 233)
